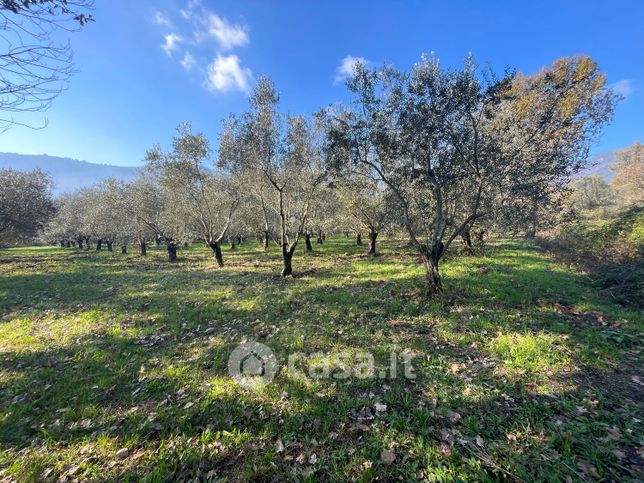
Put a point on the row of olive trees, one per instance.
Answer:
(440, 153)
(183, 195)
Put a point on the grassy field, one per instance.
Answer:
(115, 367)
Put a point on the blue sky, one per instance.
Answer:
(145, 66)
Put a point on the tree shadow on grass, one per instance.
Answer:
(159, 383)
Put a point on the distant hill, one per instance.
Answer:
(68, 174)
(600, 164)
(71, 174)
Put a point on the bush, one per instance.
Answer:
(610, 246)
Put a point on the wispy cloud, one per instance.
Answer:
(347, 67)
(188, 61)
(227, 35)
(191, 6)
(197, 28)
(171, 44)
(625, 87)
(161, 19)
(225, 73)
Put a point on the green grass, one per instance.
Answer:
(522, 372)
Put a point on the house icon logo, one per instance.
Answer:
(252, 364)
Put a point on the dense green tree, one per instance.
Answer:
(449, 144)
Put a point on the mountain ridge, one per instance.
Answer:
(68, 174)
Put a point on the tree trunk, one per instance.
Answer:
(233, 243)
(480, 237)
(467, 240)
(109, 245)
(158, 240)
(144, 249)
(172, 251)
(287, 258)
(265, 240)
(307, 241)
(373, 235)
(216, 249)
(346, 234)
(320, 239)
(123, 249)
(359, 239)
(431, 261)
(88, 244)
(79, 242)
(99, 244)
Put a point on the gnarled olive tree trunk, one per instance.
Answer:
(307, 241)
(373, 235)
(287, 259)
(216, 249)
(431, 258)
(466, 236)
(172, 251)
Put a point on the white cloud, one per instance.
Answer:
(197, 28)
(226, 74)
(188, 61)
(171, 43)
(347, 67)
(161, 19)
(625, 87)
(226, 34)
(190, 8)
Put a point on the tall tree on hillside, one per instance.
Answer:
(628, 181)
(445, 142)
(25, 205)
(34, 67)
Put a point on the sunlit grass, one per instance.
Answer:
(101, 351)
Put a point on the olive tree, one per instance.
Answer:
(365, 203)
(446, 141)
(204, 199)
(142, 206)
(282, 151)
(25, 204)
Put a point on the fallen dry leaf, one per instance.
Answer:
(279, 446)
(123, 453)
(387, 456)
